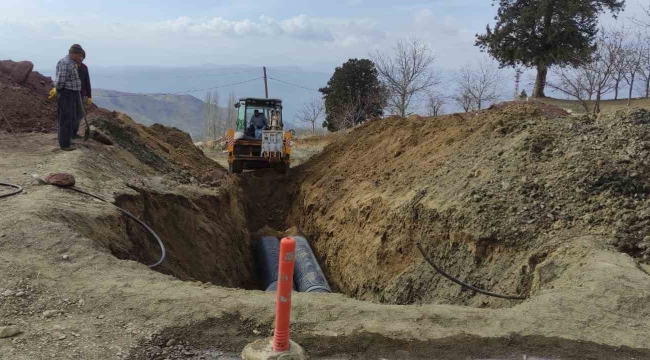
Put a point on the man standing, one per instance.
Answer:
(67, 85)
(86, 92)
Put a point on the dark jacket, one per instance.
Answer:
(86, 91)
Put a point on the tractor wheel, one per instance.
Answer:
(236, 167)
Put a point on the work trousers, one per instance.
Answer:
(67, 115)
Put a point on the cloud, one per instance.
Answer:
(342, 32)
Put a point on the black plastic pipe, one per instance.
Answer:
(307, 275)
(267, 254)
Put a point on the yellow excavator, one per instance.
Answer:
(255, 148)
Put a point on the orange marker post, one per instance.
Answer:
(281, 334)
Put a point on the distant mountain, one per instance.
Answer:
(244, 81)
(181, 111)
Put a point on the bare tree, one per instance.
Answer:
(619, 55)
(310, 112)
(435, 102)
(635, 51)
(208, 114)
(482, 82)
(232, 110)
(465, 101)
(594, 77)
(573, 83)
(407, 73)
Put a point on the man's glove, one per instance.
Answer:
(52, 94)
(89, 101)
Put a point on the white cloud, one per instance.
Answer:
(341, 32)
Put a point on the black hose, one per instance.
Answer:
(16, 192)
(162, 246)
(467, 286)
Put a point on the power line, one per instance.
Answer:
(182, 92)
(288, 83)
(182, 77)
(298, 71)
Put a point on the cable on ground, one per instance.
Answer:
(465, 285)
(160, 243)
(18, 190)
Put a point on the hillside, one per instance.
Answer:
(184, 112)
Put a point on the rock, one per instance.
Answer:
(171, 342)
(7, 293)
(8, 331)
(61, 179)
(65, 257)
(19, 71)
(214, 175)
(20, 294)
(100, 137)
(101, 316)
(50, 313)
(256, 332)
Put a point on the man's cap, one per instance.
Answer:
(77, 49)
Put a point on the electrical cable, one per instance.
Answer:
(184, 77)
(18, 190)
(288, 83)
(160, 243)
(182, 92)
(465, 285)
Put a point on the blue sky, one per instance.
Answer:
(310, 34)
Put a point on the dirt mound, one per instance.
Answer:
(491, 195)
(26, 106)
(168, 150)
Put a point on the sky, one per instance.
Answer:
(312, 35)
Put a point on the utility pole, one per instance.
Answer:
(517, 81)
(266, 84)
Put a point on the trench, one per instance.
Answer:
(211, 238)
(205, 236)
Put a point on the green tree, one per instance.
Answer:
(352, 95)
(543, 33)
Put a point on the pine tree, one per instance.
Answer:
(543, 33)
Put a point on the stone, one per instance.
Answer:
(9, 331)
(101, 317)
(50, 313)
(65, 257)
(61, 179)
(171, 342)
(20, 294)
(214, 175)
(100, 137)
(262, 350)
(19, 71)
(8, 292)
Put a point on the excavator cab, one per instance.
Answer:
(250, 147)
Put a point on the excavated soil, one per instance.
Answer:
(27, 107)
(491, 195)
(508, 199)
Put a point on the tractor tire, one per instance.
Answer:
(236, 167)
